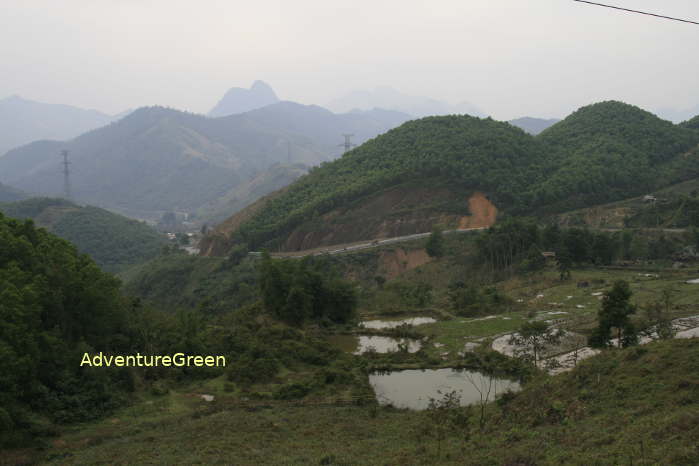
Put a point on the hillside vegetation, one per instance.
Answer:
(691, 123)
(10, 194)
(114, 242)
(54, 304)
(612, 151)
(600, 153)
(500, 161)
(244, 194)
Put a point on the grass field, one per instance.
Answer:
(635, 406)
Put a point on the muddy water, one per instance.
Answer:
(393, 323)
(361, 344)
(414, 388)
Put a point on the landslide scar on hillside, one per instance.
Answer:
(483, 212)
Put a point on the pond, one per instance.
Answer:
(393, 323)
(414, 388)
(360, 344)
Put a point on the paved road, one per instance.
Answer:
(339, 248)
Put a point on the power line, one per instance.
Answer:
(637, 11)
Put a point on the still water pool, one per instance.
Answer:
(393, 323)
(363, 343)
(414, 388)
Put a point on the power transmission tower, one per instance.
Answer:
(288, 152)
(348, 143)
(66, 174)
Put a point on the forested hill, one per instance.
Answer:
(114, 242)
(610, 151)
(602, 152)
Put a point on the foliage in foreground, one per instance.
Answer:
(55, 304)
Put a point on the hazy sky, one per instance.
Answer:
(509, 57)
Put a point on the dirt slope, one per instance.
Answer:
(397, 211)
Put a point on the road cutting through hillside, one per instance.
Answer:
(352, 247)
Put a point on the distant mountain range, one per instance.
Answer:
(239, 100)
(25, 121)
(158, 159)
(391, 99)
(533, 125)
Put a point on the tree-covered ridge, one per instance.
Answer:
(489, 155)
(609, 151)
(113, 241)
(603, 152)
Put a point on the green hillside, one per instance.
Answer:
(610, 151)
(603, 152)
(501, 160)
(113, 241)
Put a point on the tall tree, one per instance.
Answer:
(435, 243)
(615, 313)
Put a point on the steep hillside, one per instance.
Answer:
(600, 153)
(267, 181)
(24, 121)
(114, 242)
(159, 159)
(533, 125)
(239, 100)
(10, 194)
